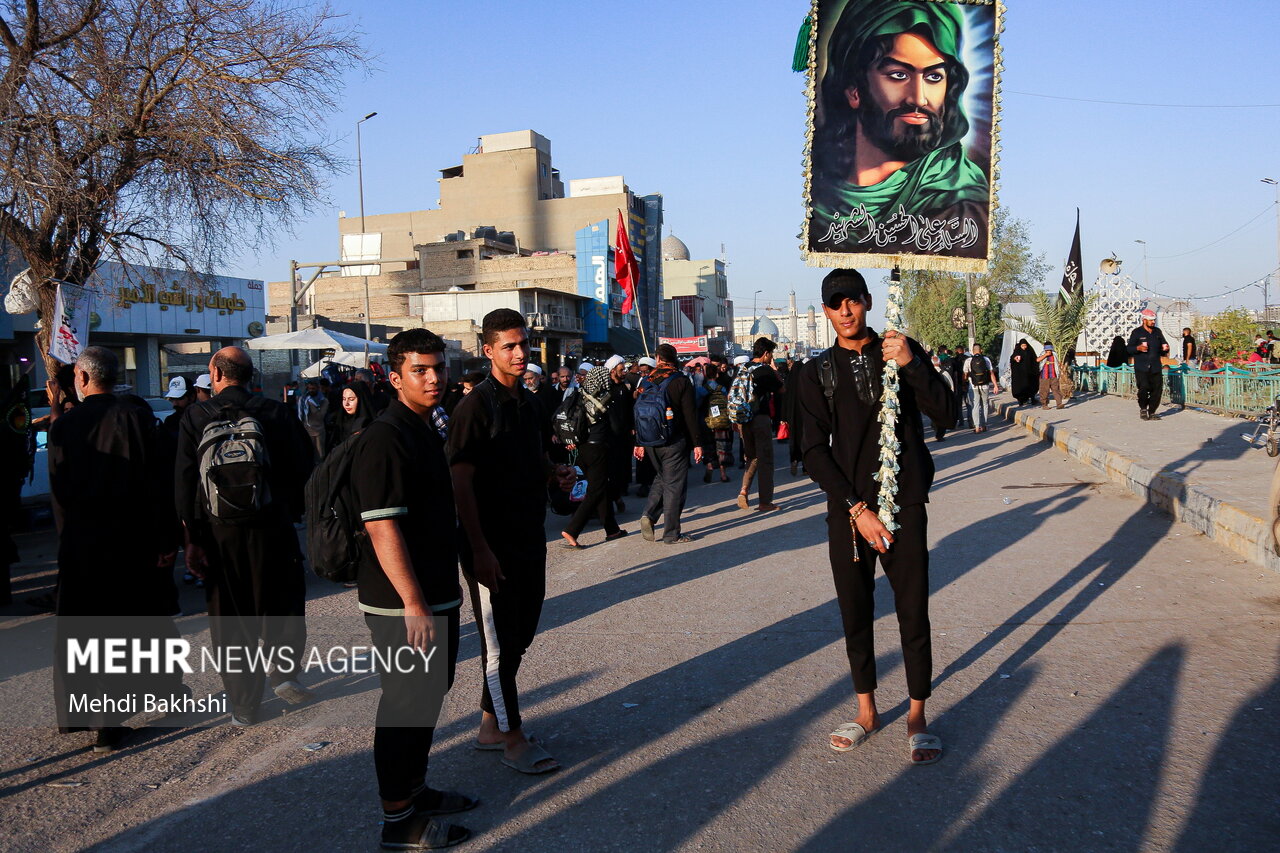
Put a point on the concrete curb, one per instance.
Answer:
(1238, 530)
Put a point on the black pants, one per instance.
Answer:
(757, 442)
(594, 461)
(400, 751)
(256, 592)
(645, 472)
(670, 486)
(1150, 388)
(620, 459)
(907, 567)
(508, 620)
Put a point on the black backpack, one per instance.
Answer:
(652, 412)
(335, 534)
(570, 421)
(979, 370)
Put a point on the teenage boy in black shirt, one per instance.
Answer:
(841, 446)
(409, 589)
(498, 455)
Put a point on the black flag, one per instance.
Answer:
(1073, 271)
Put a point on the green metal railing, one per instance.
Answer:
(1230, 390)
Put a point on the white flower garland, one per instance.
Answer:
(887, 476)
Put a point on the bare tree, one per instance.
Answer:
(160, 130)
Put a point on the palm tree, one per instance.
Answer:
(1055, 321)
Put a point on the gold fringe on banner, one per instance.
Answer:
(933, 263)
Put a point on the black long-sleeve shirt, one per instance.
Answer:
(842, 450)
(1149, 361)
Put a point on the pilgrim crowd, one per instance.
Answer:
(448, 484)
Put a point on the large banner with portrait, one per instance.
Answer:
(900, 157)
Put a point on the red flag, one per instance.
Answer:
(624, 266)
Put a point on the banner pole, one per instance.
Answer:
(890, 447)
(643, 339)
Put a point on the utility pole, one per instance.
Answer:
(1265, 303)
(1146, 270)
(368, 331)
(968, 308)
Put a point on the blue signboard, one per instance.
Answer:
(595, 280)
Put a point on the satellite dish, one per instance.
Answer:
(981, 297)
(1111, 265)
(957, 318)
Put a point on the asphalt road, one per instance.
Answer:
(1105, 679)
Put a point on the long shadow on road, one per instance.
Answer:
(1236, 808)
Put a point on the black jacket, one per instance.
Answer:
(841, 449)
(1149, 361)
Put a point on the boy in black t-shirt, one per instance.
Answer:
(409, 590)
(497, 453)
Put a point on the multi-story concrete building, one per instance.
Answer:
(451, 286)
(507, 191)
(699, 289)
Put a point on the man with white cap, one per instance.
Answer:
(179, 396)
(585, 368)
(533, 378)
(204, 387)
(645, 472)
(1147, 345)
(622, 428)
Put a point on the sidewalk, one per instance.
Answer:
(1191, 464)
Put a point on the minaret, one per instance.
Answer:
(813, 328)
(794, 319)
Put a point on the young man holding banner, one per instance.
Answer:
(839, 405)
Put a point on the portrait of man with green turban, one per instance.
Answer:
(889, 171)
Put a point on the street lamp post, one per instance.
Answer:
(368, 331)
(755, 318)
(1275, 184)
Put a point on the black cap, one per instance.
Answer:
(842, 284)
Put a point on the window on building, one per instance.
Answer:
(466, 253)
(543, 168)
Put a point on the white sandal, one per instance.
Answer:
(853, 732)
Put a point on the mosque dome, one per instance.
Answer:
(674, 249)
(763, 327)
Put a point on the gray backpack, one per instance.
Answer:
(234, 468)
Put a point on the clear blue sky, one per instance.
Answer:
(697, 101)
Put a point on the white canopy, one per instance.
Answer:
(316, 339)
(350, 359)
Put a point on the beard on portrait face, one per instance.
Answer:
(901, 141)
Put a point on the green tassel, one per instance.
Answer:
(800, 60)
